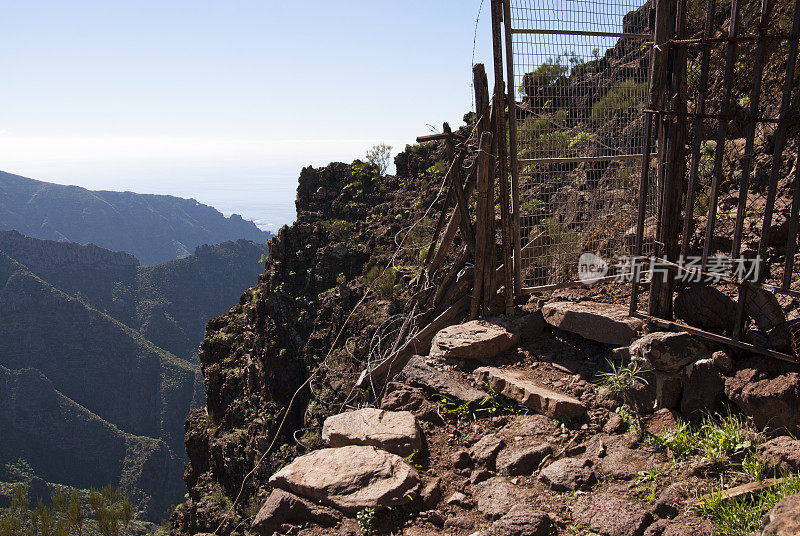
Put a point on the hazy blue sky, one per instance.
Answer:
(225, 101)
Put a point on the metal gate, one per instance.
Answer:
(579, 79)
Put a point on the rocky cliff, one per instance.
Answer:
(254, 357)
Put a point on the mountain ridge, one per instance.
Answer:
(154, 228)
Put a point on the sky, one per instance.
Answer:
(226, 101)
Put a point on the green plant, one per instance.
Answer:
(492, 404)
(366, 521)
(622, 97)
(648, 480)
(743, 515)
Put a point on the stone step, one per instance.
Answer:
(350, 478)
(393, 431)
(601, 322)
(480, 340)
(437, 378)
(518, 385)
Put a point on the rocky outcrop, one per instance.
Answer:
(282, 507)
(767, 391)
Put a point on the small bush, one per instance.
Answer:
(380, 157)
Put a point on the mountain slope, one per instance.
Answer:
(63, 442)
(168, 303)
(154, 228)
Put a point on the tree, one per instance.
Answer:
(380, 156)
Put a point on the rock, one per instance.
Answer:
(496, 496)
(669, 501)
(767, 391)
(527, 326)
(784, 518)
(610, 515)
(460, 459)
(657, 390)
(516, 461)
(616, 456)
(431, 493)
(459, 522)
(661, 422)
(781, 453)
(401, 397)
(723, 361)
(682, 526)
(569, 474)
(450, 383)
(282, 507)
(522, 520)
(350, 478)
(763, 307)
(703, 386)
(393, 431)
(479, 475)
(480, 340)
(601, 322)
(517, 385)
(666, 351)
(460, 500)
(706, 308)
(485, 451)
(614, 424)
(433, 517)
(779, 338)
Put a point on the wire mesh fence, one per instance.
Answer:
(581, 80)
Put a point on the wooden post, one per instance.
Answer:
(674, 134)
(502, 164)
(483, 164)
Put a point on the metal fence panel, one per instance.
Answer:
(581, 79)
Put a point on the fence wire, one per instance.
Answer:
(581, 72)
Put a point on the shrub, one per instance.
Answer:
(379, 156)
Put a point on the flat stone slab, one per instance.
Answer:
(601, 322)
(517, 385)
(350, 478)
(440, 380)
(480, 340)
(393, 431)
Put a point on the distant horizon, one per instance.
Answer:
(226, 103)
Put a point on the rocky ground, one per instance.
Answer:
(512, 427)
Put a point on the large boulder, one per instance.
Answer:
(394, 431)
(768, 391)
(784, 518)
(519, 385)
(706, 308)
(283, 507)
(350, 478)
(601, 322)
(666, 351)
(480, 340)
(611, 515)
